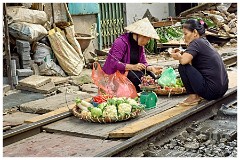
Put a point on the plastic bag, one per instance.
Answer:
(116, 84)
(27, 31)
(168, 77)
(19, 14)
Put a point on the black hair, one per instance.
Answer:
(192, 24)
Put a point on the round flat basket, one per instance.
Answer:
(170, 91)
(77, 113)
(147, 88)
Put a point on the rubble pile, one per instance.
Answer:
(36, 47)
(222, 23)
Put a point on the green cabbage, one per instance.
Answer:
(96, 112)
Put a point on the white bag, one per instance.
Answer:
(42, 53)
(67, 56)
(27, 31)
(19, 14)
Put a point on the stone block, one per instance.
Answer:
(24, 72)
(35, 81)
(16, 118)
(90, 88)
(45, 89)
(22, 43)
(26, 57)
(26, 62)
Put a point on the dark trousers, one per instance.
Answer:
(135, 77)
(195, 83)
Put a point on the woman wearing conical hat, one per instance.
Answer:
(127, 52)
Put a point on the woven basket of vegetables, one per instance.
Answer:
(170, 90)
(148, 84)
(113, 110)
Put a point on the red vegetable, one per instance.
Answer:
(101, 98)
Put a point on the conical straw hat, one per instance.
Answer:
(143, 27)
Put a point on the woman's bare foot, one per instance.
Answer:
(192, 98)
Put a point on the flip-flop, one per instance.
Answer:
(190, 103)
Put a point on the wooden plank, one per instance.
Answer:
(74, 126)
(34, 81)
(163, 23)
(134, 128)
(196, 8)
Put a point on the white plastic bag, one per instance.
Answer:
(19, 14)
(42, 53)
(27, 31)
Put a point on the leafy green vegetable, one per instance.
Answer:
(150, 46)
(102, 105)
(96, 112)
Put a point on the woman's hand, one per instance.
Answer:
(138, 67)
(135, 67)
(176, 53)
(176, 56)
(156, 70)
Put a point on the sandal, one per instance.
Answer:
(188, 104)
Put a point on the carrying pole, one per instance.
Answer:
(7, 46)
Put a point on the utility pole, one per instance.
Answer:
(7, 47)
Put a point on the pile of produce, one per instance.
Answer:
(147, 80)
(169, 33)
(148, 83)
(112, 110)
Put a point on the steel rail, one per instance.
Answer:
(207, 109)
(230, 61)
(31, 129)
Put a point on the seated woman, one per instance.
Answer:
(201, 68)
(127, 53)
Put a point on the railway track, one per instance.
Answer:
(134, 145)
(131, 146)
(230, 60)
(139, 142)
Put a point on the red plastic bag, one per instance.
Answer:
(116, 84)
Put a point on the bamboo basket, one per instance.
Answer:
(77, 113)
(160, 91)
(171, 91)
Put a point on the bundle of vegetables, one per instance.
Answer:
(150, 46)
(169, 33)
(113, 108)
(179, 83)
